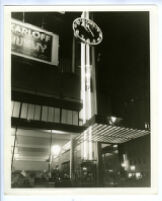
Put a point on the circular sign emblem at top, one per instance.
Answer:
(87, 31)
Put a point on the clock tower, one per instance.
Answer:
(90, 35)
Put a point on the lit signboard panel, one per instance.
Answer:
(34, 43)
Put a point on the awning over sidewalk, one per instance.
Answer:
(99, 130)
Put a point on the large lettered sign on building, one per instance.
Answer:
(34, 43)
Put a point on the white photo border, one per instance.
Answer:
(154, 109)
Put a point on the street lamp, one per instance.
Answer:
(55, 149)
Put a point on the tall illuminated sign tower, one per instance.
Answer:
(90, 35)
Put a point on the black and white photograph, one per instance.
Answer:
(80, 99)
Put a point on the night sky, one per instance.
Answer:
(123, 71)
(124, 52)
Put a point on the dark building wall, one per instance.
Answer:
(40, 78)
(57, 23)
(123, 66)
(138, 155)
(104, 104)
(136, 112)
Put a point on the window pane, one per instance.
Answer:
(30, 111)
(50, 114)
(69, 117)
(16, 109)
(44, 113)
(75, 118)
(24, 110)
(64, 116)
(57, 115)
(12, 107)
(37, 112)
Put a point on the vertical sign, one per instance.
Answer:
(34, 43)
